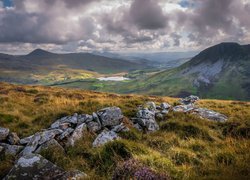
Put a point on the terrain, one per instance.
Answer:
(185, 147)
(220, 72)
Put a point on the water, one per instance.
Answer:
(113, 78)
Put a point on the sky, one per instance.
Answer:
(121, 25)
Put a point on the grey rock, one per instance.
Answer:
(164, 112)
(26, 140)
(165, 106)
(184, 108)
(147, 124)
(138, 127)
(77, 134)
(151, 106)
(145, 114)
(189, 100)
(4, 132)
(93, 126)
(34, 166)
(84, 118)
(110, 116)
(74, 175)
(210, 115)
(66, 133)
(32, 145)
(13, 139)
(96, 119)
(49, 144)
(68, 119)
(49, 134)
(11, 149)
(120, 128)
(159, 116)
(104, 137)
(64, 126)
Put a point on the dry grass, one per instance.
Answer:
(186, 147)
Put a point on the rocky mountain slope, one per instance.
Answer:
(220, 72)
(127, 136)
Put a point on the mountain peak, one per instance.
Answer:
(39, 52)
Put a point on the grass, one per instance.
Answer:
(185, 147)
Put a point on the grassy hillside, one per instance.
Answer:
(186, 147)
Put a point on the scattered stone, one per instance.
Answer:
(120, 128)
(4, 132)
(49, 134)
(77, 134)
(104, 137)
(93, 126)
(84, 118)
(189, 100)
(184, 108)
(145, 114)
(26, 140)
(34, 166)
(210, 115)
(13, 139)
(68, 119)
(64, 126)
(11, 149)
(110, 116)
(32, 145)
(66, 133)
(50, 144)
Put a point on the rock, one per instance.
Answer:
(110, 116)
(94, 126)
(120, 128)
(164, 112)
(210, 115)
(13, 139)
(159, 116)
(84, 118)
(151, 106)
(145, 114)
(96, 119)
(138, 127)
(165, 106)
(104, 137)
(11, 149)
(1, 149)
(66, 133)
(32, 145)
(183, 108)
(75, 175)
(189, 100)
(26, 140)
(50, 144)
(49, 134)
(77, 134)
(4, 132)
(147, 124)
(64, 126)
(34, 166)
(68, 119)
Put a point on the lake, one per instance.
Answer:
(114, 78)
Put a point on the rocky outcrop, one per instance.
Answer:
(210, 115)
(4, 132)
(110, 116)
(34, 166)
(104, 137)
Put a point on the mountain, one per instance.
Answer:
(221, 72)
(41, 64)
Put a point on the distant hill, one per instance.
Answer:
(221, 71)
(22, 69)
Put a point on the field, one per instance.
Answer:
(185, 147)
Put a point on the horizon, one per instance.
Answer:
(143, 26)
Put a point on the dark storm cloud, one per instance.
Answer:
(147, 14)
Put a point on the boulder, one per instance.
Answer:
(26, 140)
(32, 145)
(50, 144)
(110, 116)
(34, 166)
(120, 128)
(104, 137)
(184, 108)
(147, 124)
(93, 126)
(68, 119)
(13, 139)
(49, 134)
(84, 118)
(11, 149)
(145, 114)
(165, 106)
(66, 133)
(138, 127)
(151, 106)
(4, 132)
(77, 134)
(189, 100)
(210, 115)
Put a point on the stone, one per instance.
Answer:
(32, 145)
(145, 114)
(138, 127)
(49, 134)
(50, 144)
(84, 118)
(64, 126)
(104, 137)
(189, 100)
(165, 106)
(34, 166)
(77, 134)
(4, 132)
(120, 128)
(13, 139)
(66, 133)
(151, 106)
(93, 126)
(1, 149)
(159, 116)
(74, 175)
(26, 140)
(68, 119)
(11, 149)
(146, 124)
(210, 115)
(110, 116)
(96, 119)
(184, 108)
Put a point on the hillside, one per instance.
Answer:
(184, 147)
(44, 67)
(220, 72)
